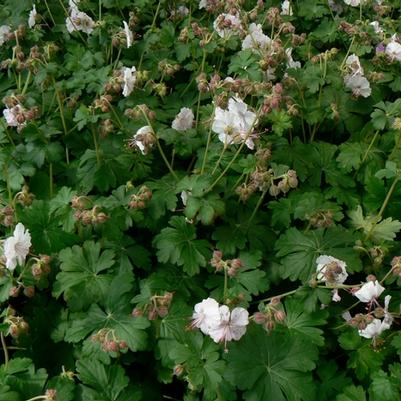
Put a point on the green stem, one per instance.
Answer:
(369, 147)
(200, 93)
(96, 145)
(51, 180)
(225, 285)
(388, 196)
(219, 160)
(61, 111)
(5, 350)
(348, 51)
(209, 138)
(50, 13)
(39, 397)
(280, 296)
(26, 82)
(256, 208)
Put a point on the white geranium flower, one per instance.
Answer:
(12, 116)
(286, 8)
(256, 39)
(206, 315)
(354, 65)
(128, 35)
(183, 120)
(129, 79)
(32, 17)
(4, 32)
(374, 328)
(358, 84)
(16, 248)
(143, 139)
(232, 326)
(202, 4)
(290, 62)
(226, 24)
(353, 3)
(369, 291)
(376, 26)
(331, 270)
(393, 50)
(79, 21)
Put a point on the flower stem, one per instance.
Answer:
(256, 208)
(285, 294)
(96, 145)
(5, 350)
(200, 93)
(388, 196)
(219, 160)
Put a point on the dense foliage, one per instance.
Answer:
(200, 200)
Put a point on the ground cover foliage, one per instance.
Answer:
(200, 200)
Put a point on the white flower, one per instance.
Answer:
(354, 65)
(32, 17)
(13, 115)
(129, 78)
(393, 50)
(331, 270)
(183, 119)
(256, 39)
(226, 24)
(369, 291)
(353, 3)
(128, 35)
(182, 11)
(206, 315)
(290, 62)
(376, 26)
(358, 84)
(235, 124)
(232, 326)
(202, 4)
(4, 32)
(78, 20)
(16, 248)
(374, 328)
(286, 8)
(143, 139)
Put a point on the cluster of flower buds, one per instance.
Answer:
(272, 315)
(103, 103)
(231, 266)
(157, 307)
(29, 291)
(17, 324)
(396, 266)
(159, 88)
(167, 68)
(139, 200)
(321, 218)
(106, 127)
(139, 111)
(109, 342)
(17, 115)
(85, 215)
(326, 56)
(7, 216)
(377, 254)
(50, 395)
(360, 321)
(41, 267)
(273, 16)
(24, 197)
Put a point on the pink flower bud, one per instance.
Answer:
(259, 318)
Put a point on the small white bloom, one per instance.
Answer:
(16, 248)
(369, 291)
(359, 85)
(336, 296)
(79, 21)
(286, 8)
(5, 30)
(183, 119)
(290, 62)
(226, 24)
(184, 197)
(12, 116)
(202, 4)
(353, 3)
(256, 39)
(354, 65)
(374, 329)
(143, 139)
(331, 270)
(128, 35)
(376, 26)
(129, 79)
(232, 326)
(32, 17)
(182, 11)
(393, 50)
(206, 315)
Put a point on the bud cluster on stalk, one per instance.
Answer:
(87, 216)
(321, 218)
(140, 199)
(109, 342)
(17, 324)
(231, 266)
(7, 216)
(41, 268)
(25, 197)
(272, 314)
(158, 306)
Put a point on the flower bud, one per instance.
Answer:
(137, 312)
(178, 370)
(29, 291)
(279, 316)
(259, 318)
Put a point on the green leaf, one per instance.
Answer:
(350, 156)
(83, 278)
(178, 245)
(298, 251)
(382, 388)
(278, 367)
(352, 393)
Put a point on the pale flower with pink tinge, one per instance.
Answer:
(226, 25)
(354, 65)
(359, 85)
(286, 8)
(129, 79)
(393, 50)
(232, 325)
(16, 247)
(32, 17)
(369, 291)
(256, 39)
(206, 315)
(183, 120)
(128, 35)
(5, 31)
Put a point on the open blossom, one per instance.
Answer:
(377, 326)
(353, 64)
(290, 61)
(376, 26)
(4, 33)
(15, 116)
(144, 139)
(183, 120)
(128, 35)
(393, 50)
(286, 8)
(16, 248)
(226, 24)
(78, 20)
(331, 270)
(256, 39)
(129, 79)
(353, 3)
(206, 315)
(32, 17)
(369, 291)
(235, 124)
(359, 85)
